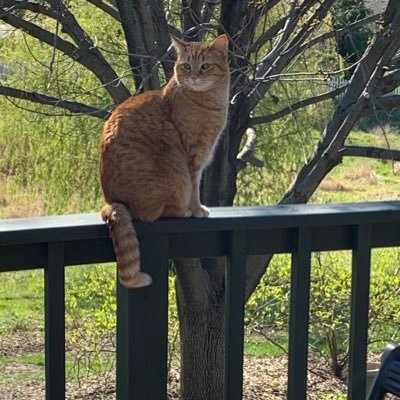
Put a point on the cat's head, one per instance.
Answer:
(200, 66)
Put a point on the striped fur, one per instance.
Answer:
(126, 245)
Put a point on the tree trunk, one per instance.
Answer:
(202, 349)
(200, 299)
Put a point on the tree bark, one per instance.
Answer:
(200, 300)
(202, 349)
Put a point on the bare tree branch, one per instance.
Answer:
(129, 25)
(99, 66)
(340, 32)
(38, 8)
(85, 54)
(389, 83)
(362, 87)
(269, 4)
(39, 98)
(383, 103)
(247, 156)
(162, 38)
(208, 11)
(370, 152)
(147, 39)
(274, 29)
(191, 18)
(297, 106)
(282, 52)
(106, 8)
(267, 35)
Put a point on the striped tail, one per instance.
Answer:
(126, 245)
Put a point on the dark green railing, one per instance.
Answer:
(55, 242)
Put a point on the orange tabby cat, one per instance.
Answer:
(155, 146)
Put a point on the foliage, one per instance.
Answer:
(91, 319)
(268, 308)
(55, 161)
(352, 45)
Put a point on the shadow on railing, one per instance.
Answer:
(142, 324)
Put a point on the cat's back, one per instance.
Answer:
(144, 111)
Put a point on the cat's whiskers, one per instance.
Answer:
(173, 92)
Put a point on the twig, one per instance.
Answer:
(72, 106)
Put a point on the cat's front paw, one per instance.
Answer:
(201, 212)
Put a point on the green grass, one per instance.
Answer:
(258, 346)
(363, 179)
(25, 367)
(21, 301)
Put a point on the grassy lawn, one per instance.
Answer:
(362, 179)
(21, 301)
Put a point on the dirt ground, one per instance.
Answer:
(264, 378)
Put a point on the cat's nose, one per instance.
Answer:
(194, 77)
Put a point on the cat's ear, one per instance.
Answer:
(179, 44)
(221, 44)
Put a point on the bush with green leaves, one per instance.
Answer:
(267, 310)
(91, 319)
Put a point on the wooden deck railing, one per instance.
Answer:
(53, 243)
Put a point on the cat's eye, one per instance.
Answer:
(187, 66)
(205, 66)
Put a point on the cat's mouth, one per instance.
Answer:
(198, 85)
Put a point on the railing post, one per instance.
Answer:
(234, 315)
(142, 328)
(55, 322)
(361, 268)
(299, 316)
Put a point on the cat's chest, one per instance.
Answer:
(199, 136)
(207, 124)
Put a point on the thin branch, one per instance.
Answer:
(370, 152)
(41, 34)
(267, 35)
(72, 106)
(95, 60)
(269, 5)
(297, 106)
(11, 5)
(106, 8)
(340, 32)
(208, 11)
(191, 16)
(86, 54)
(390, 82)
(284, 52)
(271, 32)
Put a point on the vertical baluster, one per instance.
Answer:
(361, 268)
(55, 322)
(299, 316)
(234, 312)
(142, 328)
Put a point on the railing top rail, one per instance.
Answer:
(84, 226)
